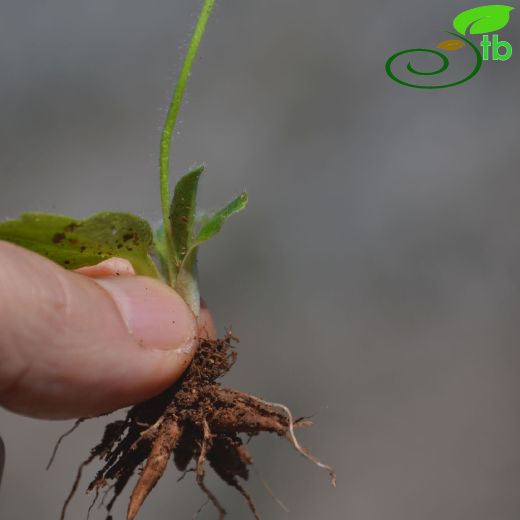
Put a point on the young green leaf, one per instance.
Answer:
(483, 19)
(212, 224)
(185, 241)
(74, 243)
(187, 280)
(182, 214)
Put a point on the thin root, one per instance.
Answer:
(93, 503)
(270, 492)
(149, 433)
(185, 472)
(59, 441)
(205, 445)
(294, 441)
(75, 485)
(248, 499)
(200, 509)
(105, 495)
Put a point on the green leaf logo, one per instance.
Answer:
(482, 20)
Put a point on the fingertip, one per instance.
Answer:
(112, 267)
(154, 314)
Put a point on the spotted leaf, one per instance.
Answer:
(75, 243)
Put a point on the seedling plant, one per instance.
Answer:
(197, 420)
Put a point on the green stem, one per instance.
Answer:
(169, 125)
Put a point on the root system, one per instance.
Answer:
(197, 421)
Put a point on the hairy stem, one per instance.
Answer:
(169, 125)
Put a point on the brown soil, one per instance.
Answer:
(196, 420)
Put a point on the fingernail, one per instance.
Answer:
(155, 315)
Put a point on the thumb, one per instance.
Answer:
(71, 346)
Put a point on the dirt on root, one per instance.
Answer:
(196, 420)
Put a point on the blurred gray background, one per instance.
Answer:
(374, 279)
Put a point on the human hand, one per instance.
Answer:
(82, 344)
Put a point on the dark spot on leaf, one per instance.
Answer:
(66, 262)
(127, 236)
(58, 237)
(82, 249)
(71, 227)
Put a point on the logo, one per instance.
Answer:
(481, 20)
